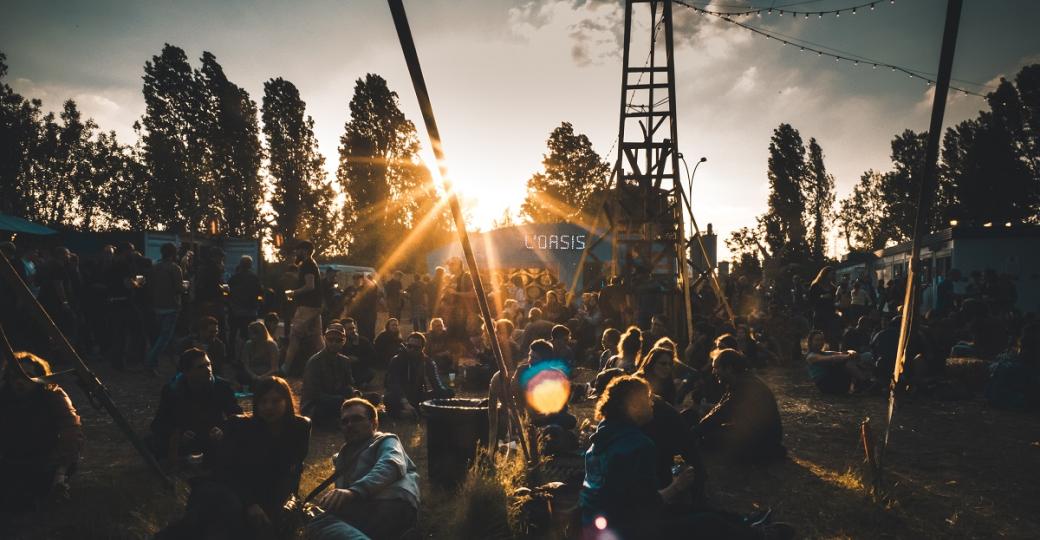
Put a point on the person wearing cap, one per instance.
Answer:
(327, 378)
(305, 333)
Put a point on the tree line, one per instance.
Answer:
(989, 172)
(199, 157)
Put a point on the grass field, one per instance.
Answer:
(954, 470)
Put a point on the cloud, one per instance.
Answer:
(113, 109)
(747, 81)
(594, 29)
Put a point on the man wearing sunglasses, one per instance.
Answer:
(327, 378)
(412, 378)
(377, 491)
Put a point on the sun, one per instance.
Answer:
(485, 191)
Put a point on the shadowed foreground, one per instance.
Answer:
(954, 469)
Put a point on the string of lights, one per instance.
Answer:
(852, 59)
(758, 12)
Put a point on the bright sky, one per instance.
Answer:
(503, 74)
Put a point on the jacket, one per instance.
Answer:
(412, 375)
(378, 469)
(620, 478)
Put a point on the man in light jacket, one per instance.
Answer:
(377, 491)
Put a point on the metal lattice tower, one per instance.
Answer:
(645, 212)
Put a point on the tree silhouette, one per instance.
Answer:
(566, 187)
(819, 201)
(302, 197)
(862, 217)
(784, 228)
(228, 120)
(378, 170)
(174, 145)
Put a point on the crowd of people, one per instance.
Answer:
(660, 405)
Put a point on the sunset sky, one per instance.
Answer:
(502, 74)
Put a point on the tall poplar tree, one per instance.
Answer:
(228, 121)
(784, 228)
(174, 148)
(819, 201)
(378, 160)
(302, 198)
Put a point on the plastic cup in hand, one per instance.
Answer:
(451, 378)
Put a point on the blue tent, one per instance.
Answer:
(556, 247)
(13, 224)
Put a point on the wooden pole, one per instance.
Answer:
(95, 390)
(924, 200)
(404, 34)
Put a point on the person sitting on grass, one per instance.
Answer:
(193, 408)
(40, 436)
(438, 347)
(833, 372)
(358, 349)
(745, 425)
(541, 351)
(259, 357)
(205, 335)
(257, 469)
(668, 430)
(629, 351)
(327, 378)
(561, 342)
(377, 490)
(388, 343)
(609, 341)
(1014, 381)
(621, 498)
(412, 378)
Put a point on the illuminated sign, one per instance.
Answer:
(554, 241)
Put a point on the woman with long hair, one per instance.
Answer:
(260, 356)
(258, 467)
(658, 368)
(629, 351)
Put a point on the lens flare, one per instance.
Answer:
(546, 386)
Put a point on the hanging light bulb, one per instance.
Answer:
(821, 14)
(818, 53)
(806, 15)
(801, 49)
(837, 13)
(871, 7)
(781, 13)
(853, 11)
(855, 62)
(875, 66)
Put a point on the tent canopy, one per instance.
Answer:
(14, 224)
